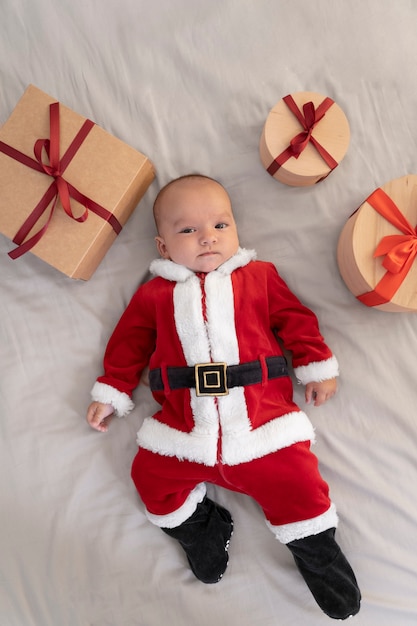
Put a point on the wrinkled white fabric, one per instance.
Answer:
(190, 83)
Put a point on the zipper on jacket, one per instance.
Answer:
(202, 278)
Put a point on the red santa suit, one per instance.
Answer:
(254, 439)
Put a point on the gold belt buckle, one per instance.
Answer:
(210, 379)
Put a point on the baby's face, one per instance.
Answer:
(196, 225)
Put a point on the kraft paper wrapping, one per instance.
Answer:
(376, 254)
(330, 133)
(105, 169)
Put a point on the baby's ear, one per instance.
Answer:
(161, 247)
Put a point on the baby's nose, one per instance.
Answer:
(209, 236)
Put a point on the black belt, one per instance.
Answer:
(215, 379)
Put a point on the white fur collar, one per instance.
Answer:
(179, 273)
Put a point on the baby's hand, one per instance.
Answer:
(320, 392)
(99, 416)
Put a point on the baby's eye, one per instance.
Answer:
(221, 225)
(187, 230)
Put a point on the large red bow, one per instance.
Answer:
(400, 251)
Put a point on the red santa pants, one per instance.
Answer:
(286, 484)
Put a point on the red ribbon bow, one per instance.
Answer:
(59, 188)
(308, 120)
(400, 251)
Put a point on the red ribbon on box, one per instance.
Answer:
(400, 251)
(308, 121)
(59, 188)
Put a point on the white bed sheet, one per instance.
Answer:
(190, 83)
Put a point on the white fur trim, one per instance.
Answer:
(179, 273)
(189, 321)
(238, 446)
(169, 270)
(176, 518)
(240, 259)
(221, 327)
(284, 431)
(234, 420)
(162, 439)
(106, 394)
(306, 528)
(317, 371)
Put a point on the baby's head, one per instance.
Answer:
(195, 223)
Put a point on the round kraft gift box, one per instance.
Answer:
(377, 248)
(304, 138)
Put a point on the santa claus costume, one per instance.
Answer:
(227, 414)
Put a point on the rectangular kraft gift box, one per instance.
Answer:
(104, 169)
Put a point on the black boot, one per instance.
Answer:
(327, 573)
(205, 539)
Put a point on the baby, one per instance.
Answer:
(207, 325)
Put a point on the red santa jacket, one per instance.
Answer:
(229, 315)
